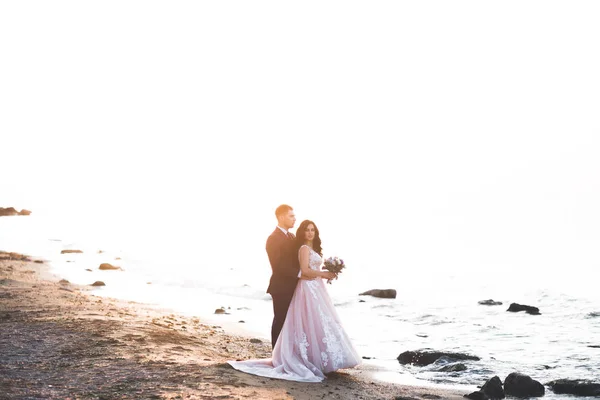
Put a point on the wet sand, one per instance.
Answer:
(60, 341)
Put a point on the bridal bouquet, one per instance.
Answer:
(335, 265)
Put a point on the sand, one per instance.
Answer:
(60, 341)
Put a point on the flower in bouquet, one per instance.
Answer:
(335, 265)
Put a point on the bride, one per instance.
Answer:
(312, 341)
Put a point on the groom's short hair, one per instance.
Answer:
(282, 210)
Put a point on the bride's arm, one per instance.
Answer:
(303, 256)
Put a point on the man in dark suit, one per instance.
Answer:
(283, 256)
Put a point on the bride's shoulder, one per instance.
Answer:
(304, 247)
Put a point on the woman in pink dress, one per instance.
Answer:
(312, 341)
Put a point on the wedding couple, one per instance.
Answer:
(307, 336)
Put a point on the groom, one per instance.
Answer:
(283, 257)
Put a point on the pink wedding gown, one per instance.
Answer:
(312, 341)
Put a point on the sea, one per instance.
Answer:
(194, 272)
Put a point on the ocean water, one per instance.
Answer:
(436, 306)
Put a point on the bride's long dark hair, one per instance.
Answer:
(300, 236)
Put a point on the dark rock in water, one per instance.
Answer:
(39, 261)
(594, 346)
(63, 281)
(107, 266)
(479, 395)
(70, 251)
(7, 212)
(489, 302)
(453, 368)
(521, 385)
(383, 293)
(516, 307)
(578, 387)
(221, 311)
(254, 340)
(422, 358)
(362, 301)
(11, 211)
(493, 388)
(87, 269)
(593, 314)
(98, 283)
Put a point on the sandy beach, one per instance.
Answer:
(60, 341)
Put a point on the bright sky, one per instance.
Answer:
(469, 126)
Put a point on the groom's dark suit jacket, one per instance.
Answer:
(283, 257)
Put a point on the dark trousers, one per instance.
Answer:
(281, 303)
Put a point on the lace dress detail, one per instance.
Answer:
(314, 262)
(312, 342)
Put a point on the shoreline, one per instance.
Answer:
(61, 340)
